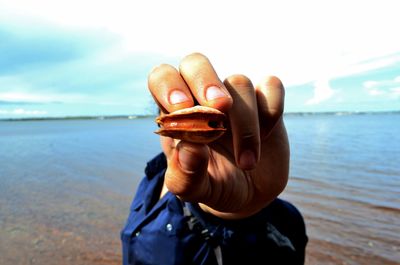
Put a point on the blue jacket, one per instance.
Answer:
(168, 232)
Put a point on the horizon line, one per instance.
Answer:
(141, 116)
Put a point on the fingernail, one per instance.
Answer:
(247, 159)
(214, 92)
(177, 96)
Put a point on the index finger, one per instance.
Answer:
(168, 89)
(204, 83)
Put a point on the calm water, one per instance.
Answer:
(357, 154)
(345, 178)
(65, 187)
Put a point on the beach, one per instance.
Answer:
(66, 187)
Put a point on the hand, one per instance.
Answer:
(244, 170)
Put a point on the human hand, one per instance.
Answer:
(244, 170)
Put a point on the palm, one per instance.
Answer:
(234, 189)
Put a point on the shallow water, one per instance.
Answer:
(66, 186)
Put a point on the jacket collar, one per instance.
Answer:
(156, 165)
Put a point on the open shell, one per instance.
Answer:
(198, 124)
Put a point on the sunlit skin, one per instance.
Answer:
(243, 171)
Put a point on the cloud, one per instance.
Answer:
(22, 112)
(395, 92)
(71, 52)
(376, 92)
(389, 87)
(18, 98)
(322, 92)
(7, 102)
(370, 84)
(24, 46)
(100, 78)
(43, 63)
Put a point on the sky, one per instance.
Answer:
(87, 58)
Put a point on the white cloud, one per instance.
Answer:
(322, 92)
(299, 41)
(24, 112)
(31, 97)
(383, 87)
(255, 37)
(376, 92)
(370, 84)
(395, 92)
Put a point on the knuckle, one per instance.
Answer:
(273, 82)
(239, 81)
(238, 78)
(249, 138)
(276, 112)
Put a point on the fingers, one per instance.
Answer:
(169, 89)
(187, 170)
(243, 118)
(204, 83)
(253, 113)
(270, 99)
(195, 81)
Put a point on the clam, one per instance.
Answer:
(198, 124)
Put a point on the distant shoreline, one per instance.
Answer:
(118, 117)
(131, 117)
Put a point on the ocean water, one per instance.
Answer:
(345, 178)
(66, 186)
(358, 154)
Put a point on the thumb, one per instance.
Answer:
(186, 175)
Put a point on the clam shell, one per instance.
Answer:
(198, 124)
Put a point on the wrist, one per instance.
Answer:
(242, 214)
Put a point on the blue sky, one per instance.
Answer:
(74, 58)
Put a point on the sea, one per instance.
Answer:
(66, 186)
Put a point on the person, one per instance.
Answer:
(217, 203)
